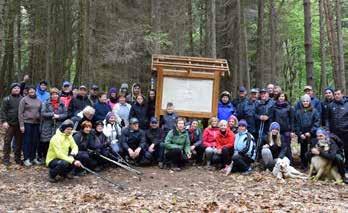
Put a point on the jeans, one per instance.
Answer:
(42, 149)
(59, 167)
(31, 140)
(267, 158)
(13, 131)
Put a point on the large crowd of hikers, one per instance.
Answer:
(72, 127)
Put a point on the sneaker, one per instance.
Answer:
(27, 163)
(177, 169)
(37, 161)
(247, 172)
(228, 169)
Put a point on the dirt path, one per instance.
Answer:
(191, 190)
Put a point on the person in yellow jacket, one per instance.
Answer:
(59, 160)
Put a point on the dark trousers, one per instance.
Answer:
(304, 144)
(224, 158)
(31, 140)
(42, 149)
(198, 154)
(344, 139)
(59, 167)
(144, 158)
(176, 157)
(240, 163)
(13, 131)
(86, 159)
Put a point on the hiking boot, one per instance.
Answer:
(19, 162)
(52, 179)
(69, 176)
(27, 163)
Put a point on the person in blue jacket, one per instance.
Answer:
(101, 107)
(41, 91)
(225, 106)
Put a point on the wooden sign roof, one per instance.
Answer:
(185, 63)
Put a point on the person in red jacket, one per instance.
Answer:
(209, 139)
(224, 145)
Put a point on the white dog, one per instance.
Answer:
(282, 170)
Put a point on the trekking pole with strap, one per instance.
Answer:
(121, 187)
(126, 167)
(259, 139)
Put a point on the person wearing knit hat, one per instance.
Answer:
(53, 113)
(112, 131)
(9, 121)
(243, 123)
(307, 121)
(274, 125)
(315, 102)
(225, 106)
(60, 156)
(112, 97)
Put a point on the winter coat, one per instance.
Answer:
(154, 136)
(238, 103)
(133, 139)
(123, 110)
(60, 147)
(87, 142)
(225, 139)
(139, 111)
(151, 108)
(168, 122)
(177, 140)
(306, 120)
(281, 151)
(209, 136)
(195, 136)
(112, 132)
(263, 108)
(93, 98)
(101, 109)
(48, 125)
(79, 123)
(78, 104)
(325, 108)
(42, 95)
(315, 103)
(248, 110)
(337, 119)
(112, 103)
(245, 147)
(29, 111)
(283, 114)
(9, 110)
(66, 98)
(225, 110)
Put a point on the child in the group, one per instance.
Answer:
(169, 119)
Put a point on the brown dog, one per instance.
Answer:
(322, 166)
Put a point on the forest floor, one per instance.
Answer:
(194, 189)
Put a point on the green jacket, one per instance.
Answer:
(176, 139)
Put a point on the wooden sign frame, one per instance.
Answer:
(188, 68)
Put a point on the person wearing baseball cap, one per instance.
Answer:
(248, 110)
(240, 100)
(154, 138)
(93, 93)
(315, 102)
(9, 121)
(328, 99)
(262, 112)
(66, 94)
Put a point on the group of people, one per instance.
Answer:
(72, 128)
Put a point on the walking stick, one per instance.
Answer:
(103, 178)
(259, 139)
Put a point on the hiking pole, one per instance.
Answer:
(126, 167)
(103, 178)
(259, 140)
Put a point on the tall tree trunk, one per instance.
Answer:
(19, 39)
(308, 41)
(244, 46)
(323, 78)
(272, 32)
(190, 26)
(340, 51)
(156, 22)
(213, 28)
(259, 74)
(48, 40)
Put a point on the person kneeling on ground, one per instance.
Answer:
(177, 146)
(59, 160)
(195, 134)
(209, 140)
(274, 147)
(224, 146)
(244, 150)
(134, 144)
(154, 140)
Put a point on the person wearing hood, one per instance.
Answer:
(112, 131)
(41, 92)
(315, 103)
(93, 94)
(136, 91)
(66, 94)
(61, 151)
(122, 110)
(244, 150)
(337, 121)
(29, 121)
(284, 115)
(328, 99)
(275, 147)
(10, 123)
(78, 103)
(233, 124)
(112, 95)
(225, 107)
(102, 108)
(53, 113)
(124, 89)
(139, 111)
(209, 139)
(307, 121)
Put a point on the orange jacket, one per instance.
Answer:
(225, 140)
